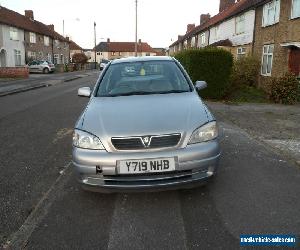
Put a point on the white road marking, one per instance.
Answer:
(18, 240)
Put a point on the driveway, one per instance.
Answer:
(273, 124)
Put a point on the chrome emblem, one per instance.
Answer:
(146, 140)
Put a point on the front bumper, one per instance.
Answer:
(196, 163)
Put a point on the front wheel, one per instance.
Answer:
(45, 70)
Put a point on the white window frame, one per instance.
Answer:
(32, 55)
(240, 24)
(241, 52)
(269, 19)
(268, 55)
(193, 41)
(32, 37)
(40, 55)
(295, 13)
(56, 58)
(18, 57)
(13, 34)
(46, 40)
(49, 57)
(203, 38)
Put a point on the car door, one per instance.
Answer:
(32, 66)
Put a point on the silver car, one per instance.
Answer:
(40, 66)
(145, 127)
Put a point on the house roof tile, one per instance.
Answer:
(236, 9)
(124, 47)
(74, 46)
(12, 18)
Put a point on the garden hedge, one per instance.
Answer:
(210, 64)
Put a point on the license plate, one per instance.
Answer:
(147, 166)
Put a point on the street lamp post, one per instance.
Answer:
(95, 44)
(135, 46)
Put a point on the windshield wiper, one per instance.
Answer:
(171, 91)
(132, 93)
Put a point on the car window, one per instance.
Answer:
(151, 77)
(32, 63)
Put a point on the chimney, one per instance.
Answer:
(204, 18)
(68, 38)
(189, 27)
(140, 41)
(108, 40)
(224, 4)
(29, 14)
(51, 27)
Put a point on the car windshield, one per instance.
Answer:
(143, 78)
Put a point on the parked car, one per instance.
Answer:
(40, 66)
(145, 127)
(104, 63)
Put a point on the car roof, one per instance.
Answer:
(142, 59)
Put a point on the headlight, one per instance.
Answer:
(86, 140)
(205, 133)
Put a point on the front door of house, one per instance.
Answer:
(294, 61)
(2, 58)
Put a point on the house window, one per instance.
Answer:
(295, 9)
(185, 44)
(31, 55)
(56, 42)
(13, 33)
(46, 40)
(40, 55)
(241, 52)
(240, 24)
(120, 53)
(193, 41)
(98, 53)
(32, 37)
(113, 53)
(271, 13)
(203, 38)
(56, 59)
(147, 54)
(267, 60)
(17, 57)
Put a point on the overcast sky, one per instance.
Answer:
(159, 21)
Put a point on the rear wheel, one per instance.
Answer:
(45, 70)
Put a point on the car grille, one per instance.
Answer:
(134, 143)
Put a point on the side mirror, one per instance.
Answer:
(200, 85)
(84, 92)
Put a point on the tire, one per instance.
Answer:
(45, 70)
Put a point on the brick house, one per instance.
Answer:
(40, 41)
(113, 50)
(277, 38)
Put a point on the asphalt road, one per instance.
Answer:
(42, 207)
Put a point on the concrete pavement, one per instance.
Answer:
(256, 190)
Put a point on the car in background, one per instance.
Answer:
(41, 66)
(145, 128)
(104, 63)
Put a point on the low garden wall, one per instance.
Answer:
(14, 72)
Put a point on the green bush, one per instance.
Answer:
(284, 89)
(245, 71)
(210, 64)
